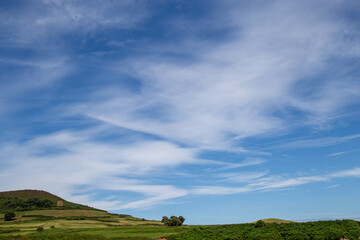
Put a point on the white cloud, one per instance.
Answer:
(242, 176)
(67, 160)
(244, 86)
(355, 172)
(336, 154)
(64, 160)
(316, 142)
(258, 181)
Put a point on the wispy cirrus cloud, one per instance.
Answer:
(67, 160)
(262, 181)
(243, 87)
(317, 142)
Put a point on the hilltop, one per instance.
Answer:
(26, 200)
(276, 220)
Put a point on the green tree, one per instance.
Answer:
(9, 216)
(182, 219)
(173, 220)
(164, 220)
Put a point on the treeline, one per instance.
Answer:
(17, 205)
(322, 230)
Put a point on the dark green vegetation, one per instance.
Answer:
(323, 230)
(26, 200)
(78, 222)
(9, 216)
(173, 221)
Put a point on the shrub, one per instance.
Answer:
(52, 226)
(40, 229)
(9, 216)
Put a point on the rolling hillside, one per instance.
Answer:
(37, 209)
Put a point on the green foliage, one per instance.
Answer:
(259, 223)
(52, 226)
(40, 229)
(15, 204)
(173, 221)
(9, 216)
(323, 230)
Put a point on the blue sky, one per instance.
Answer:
(220, 111)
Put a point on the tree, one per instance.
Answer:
(173, 221)
(182, 219)
(164, 219)
(9, 216)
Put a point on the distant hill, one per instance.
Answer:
(275, 220)
(27, 200)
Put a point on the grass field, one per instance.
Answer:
(85, 222)
(99, 226)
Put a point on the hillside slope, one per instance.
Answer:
(37, 209)
(27, 200)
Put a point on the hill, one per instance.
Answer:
(275, 220)
(26, 200)
(34, 209)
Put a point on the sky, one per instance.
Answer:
(219, 111)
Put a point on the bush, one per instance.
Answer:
(9, 216)
(40, 229)
(52, 226)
